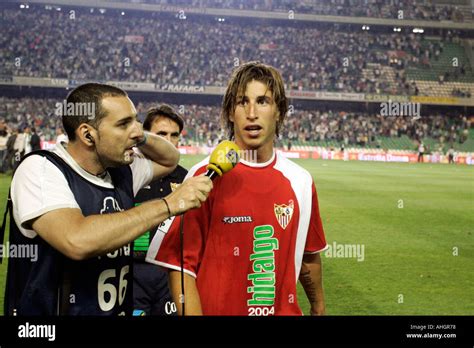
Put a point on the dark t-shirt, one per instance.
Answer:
(157, 189)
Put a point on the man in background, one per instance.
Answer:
(151, 295)
(10, 156)
(18, 148)
(451, 155)
(27, 140)
(3, 147)
(421, 151)
(35, 141)
(60, 136)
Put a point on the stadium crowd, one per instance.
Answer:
(363, 129)
(202, 126)
(420, 9)
(41, 43)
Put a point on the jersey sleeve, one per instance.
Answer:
(315, 240)
(38, 187)
(165, 248)
(142, 172)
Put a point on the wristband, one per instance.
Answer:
(167, 207)
(143, 141)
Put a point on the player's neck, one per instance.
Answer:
(85, 159)
(260, 155)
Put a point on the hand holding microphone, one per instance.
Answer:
(190, 194)
(195, 190)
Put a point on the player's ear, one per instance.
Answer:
(86, 134)
(277, 117)
(278, 122)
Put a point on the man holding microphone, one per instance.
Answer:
(75, 206)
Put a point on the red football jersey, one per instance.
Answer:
(245, 244)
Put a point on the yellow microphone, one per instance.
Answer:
(224, 157)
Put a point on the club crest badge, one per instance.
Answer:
(284, 213)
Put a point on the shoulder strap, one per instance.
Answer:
(9, 206)
(65, 284)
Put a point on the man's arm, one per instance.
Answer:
(192, 300)
(311, 277)
(79, 237)
(162, 153)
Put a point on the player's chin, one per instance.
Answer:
(256, 143)
(126, 158)
(251, 145)
(253, 142)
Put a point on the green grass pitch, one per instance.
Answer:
(415, 222)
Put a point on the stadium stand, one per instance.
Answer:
(104, 47)
(424, 10)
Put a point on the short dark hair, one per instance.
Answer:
(163, 110)
(244, 74)
(92, 93)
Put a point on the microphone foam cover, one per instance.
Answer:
(224, 157)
